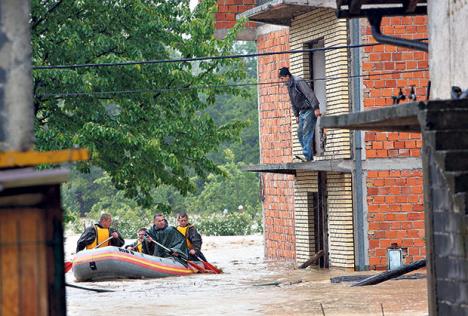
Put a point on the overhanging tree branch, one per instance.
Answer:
(35, 23)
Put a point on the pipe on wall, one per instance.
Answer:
(375, 22)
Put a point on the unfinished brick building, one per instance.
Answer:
(363, 193)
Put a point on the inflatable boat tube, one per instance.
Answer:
(117, 263)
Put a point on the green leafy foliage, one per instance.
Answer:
(227, 224)
(228, 191)
(240, 107)
(142, 140)
(206, 208)
(148, 149)
(83, 190)
(98, 195)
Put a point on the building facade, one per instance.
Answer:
(363, 193)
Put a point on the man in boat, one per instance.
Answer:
(192, 238)
(141, 244)
(168, 237)
(100, 233)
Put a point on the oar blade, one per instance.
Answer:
(196, 266)
(212, 268)
(68, 266)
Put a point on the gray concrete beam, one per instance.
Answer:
(245, 34)
(339, 165)
(16, 110)
(406, 163)
(390, 118)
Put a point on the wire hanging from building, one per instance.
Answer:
(214, 87)
(182, 60)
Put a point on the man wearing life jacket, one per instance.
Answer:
(192, 237)
(99, 233)
(167, 236)
(142, 245)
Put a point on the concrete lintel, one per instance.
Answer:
(26, 177)
(403, 163)
(285, 168)
(245, 34)
(402, 118)
(264, 29)
(338, 165)
(281, 12)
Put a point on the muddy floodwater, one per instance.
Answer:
(249, 286)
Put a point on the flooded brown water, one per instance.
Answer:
(249, 286)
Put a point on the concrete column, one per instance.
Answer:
(16, 110)
(448, 21)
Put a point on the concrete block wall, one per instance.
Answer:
(446, 192)
(394, 197)
(276, 147)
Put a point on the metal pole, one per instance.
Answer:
(359, 218)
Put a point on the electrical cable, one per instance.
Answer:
(181, 60)
(214, 87)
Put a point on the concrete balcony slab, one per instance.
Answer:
(281, 12)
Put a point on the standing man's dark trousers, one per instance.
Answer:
(305, 132)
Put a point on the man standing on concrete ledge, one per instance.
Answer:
(305, 107)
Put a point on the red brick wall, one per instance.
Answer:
(227, 11)
(395, 197)
(379, 89)
(395, 214)
(278, 212)
(276, 147)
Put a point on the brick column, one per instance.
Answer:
(276, 147)
(225, 18)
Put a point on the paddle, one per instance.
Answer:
(135, 248)
(69, 264)
(88, 288)
(190, 263)
(209, 266)
(103, 242)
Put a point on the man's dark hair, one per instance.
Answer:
(158, 215)
(283, 72)
(143, 229)
(182, 214)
